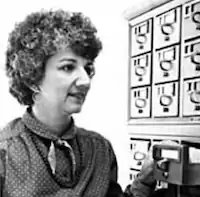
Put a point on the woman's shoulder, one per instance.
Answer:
(10, 130)
(95, 139)
(90, 134)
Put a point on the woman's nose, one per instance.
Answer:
(83, 79)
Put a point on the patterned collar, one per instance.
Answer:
(44, 131)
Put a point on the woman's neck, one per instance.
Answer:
(52, 118)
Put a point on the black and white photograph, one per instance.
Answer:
(100, 98)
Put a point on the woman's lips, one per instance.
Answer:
(79, 95)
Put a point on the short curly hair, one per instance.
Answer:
(40, 36)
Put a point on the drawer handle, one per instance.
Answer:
(167, 28)
(166, 100)
(141, 39)
(166, 65)
(138, 156)
(140, 103)
(195, 58)
(195, 97)
(196, 19)
(140, 71)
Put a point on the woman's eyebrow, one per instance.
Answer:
(68, 60)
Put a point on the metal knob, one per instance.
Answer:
(196, 19)
(140, 103)
(166, 100)
(140, 71)
(167, 29)
(141, 39)
(166, 65)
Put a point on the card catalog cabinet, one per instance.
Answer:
(164, 77)
(164, 64)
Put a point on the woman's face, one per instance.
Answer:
(66, 82)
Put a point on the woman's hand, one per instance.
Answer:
(146, 174)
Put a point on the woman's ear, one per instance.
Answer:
(36, 91)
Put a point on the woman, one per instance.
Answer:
(50, 64)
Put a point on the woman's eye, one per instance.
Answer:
(68, 67)
(90, 71)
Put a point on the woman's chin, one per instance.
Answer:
(73, 110)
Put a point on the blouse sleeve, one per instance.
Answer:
(114, 189)
(3, 146)
(139, 189)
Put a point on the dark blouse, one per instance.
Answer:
(36, 163)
